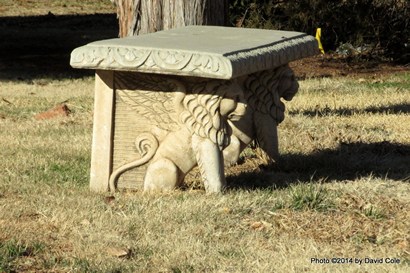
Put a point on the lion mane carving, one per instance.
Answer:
(265, 111)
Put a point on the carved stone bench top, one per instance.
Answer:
(200, 51)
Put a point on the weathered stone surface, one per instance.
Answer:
(201, 51)
(226, 89)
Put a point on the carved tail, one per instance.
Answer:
(147, 145)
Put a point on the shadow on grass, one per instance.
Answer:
(40, 46)
(347, 162)
(391, 109)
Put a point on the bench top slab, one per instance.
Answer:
(200, 51)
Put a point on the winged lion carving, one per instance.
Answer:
(188, 128)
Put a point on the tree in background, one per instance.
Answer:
(144, 16)
(373, 28)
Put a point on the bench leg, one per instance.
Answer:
(101, 154)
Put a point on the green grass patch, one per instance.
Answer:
(309, 196)
(399, 81)
(13, 250)
(374, 212)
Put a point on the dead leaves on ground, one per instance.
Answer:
(119, 252)
(61, 110)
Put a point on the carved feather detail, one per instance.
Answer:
(151, 97)
(165, 102)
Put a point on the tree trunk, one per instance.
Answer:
(144, 16)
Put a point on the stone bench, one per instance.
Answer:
(168, 101)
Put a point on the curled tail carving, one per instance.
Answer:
(147, 145)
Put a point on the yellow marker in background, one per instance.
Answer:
(318, 34)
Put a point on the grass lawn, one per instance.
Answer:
(341, 190)
(57, 7)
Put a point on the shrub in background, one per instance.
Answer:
(376, 28)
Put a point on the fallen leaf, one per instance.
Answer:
(109, 200)
(266, 224)
(257, 225)
(402, 244)
(377, 81)
(85, 223)
(60, 110)
(260, 225)
(226, 210)
(119, 252)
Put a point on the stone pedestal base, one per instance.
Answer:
(151, 130)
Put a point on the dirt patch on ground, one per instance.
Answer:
(334, 65)
(39, 46)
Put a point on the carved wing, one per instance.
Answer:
(151, 96)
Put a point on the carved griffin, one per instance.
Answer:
(202, 122)
(189, 128)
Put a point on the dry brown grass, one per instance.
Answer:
(340, 190)
(57, 7)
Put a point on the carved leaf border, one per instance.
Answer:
(223, 66)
